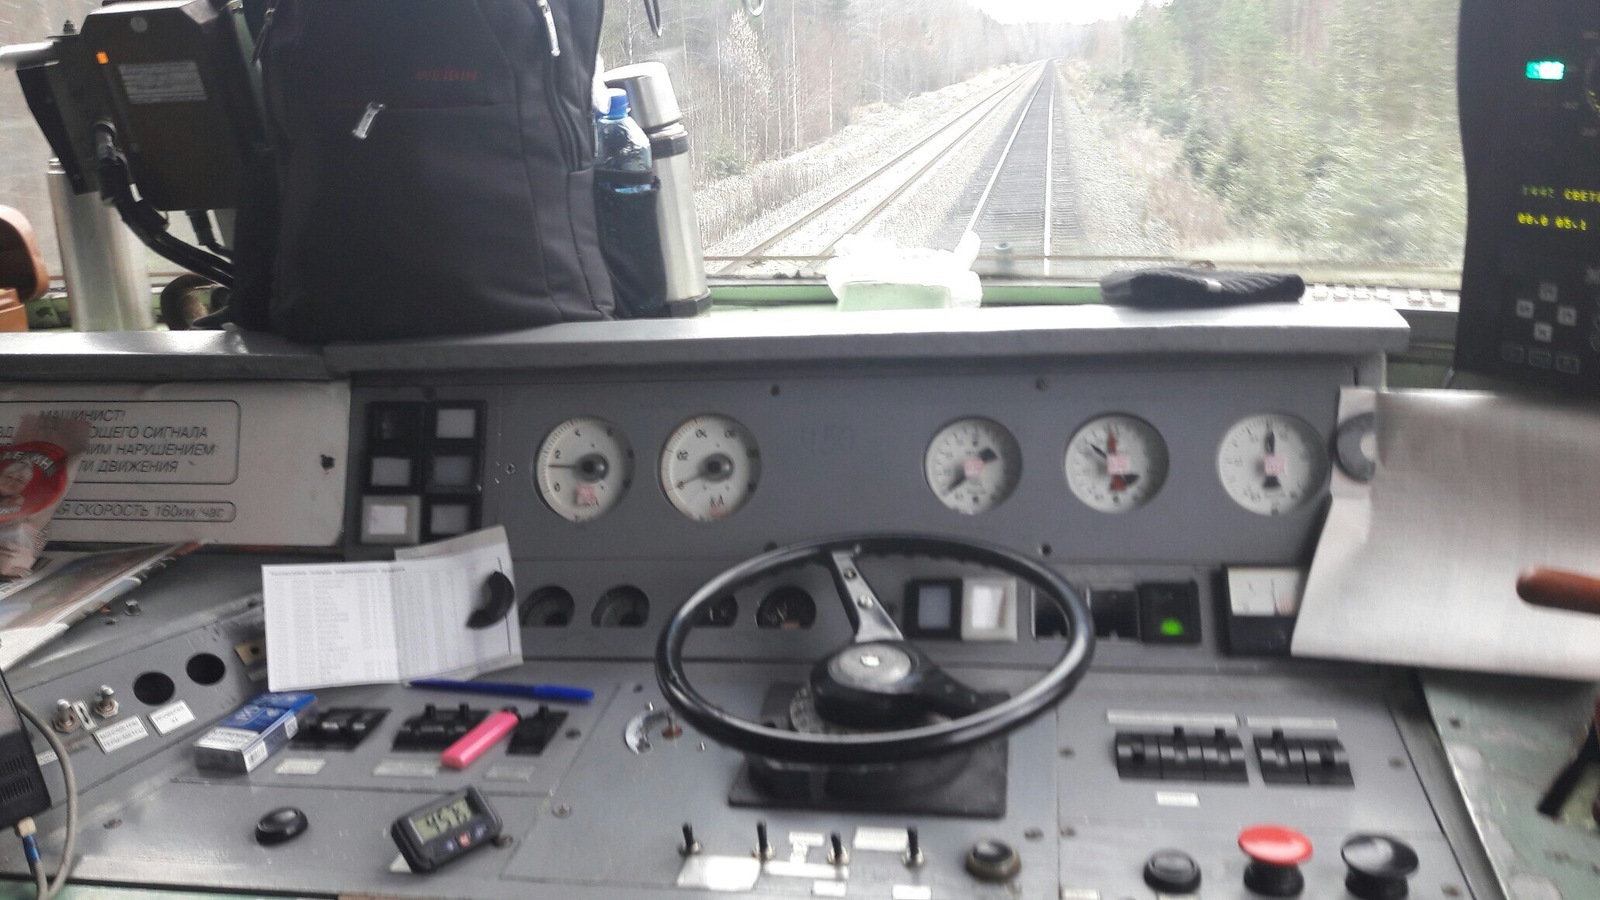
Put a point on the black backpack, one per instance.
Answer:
(432, 162)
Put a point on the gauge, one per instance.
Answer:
(972, 465)
(719, 613)
(583, 468)
(1116, 463)
(1272, 463)
(546, 607)
(786, 607)
(710, 467)
(621, 607)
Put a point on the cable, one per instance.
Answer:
(145, 221)
(652, 12)
(48, 890)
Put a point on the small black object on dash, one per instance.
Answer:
(1188, 288)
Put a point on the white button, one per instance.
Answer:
(1543, 332)
(1548, 290)
(1524, 309)
(1567, 315)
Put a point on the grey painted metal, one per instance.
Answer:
(156, 356)
(778, 336)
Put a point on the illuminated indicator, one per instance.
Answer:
(1172, 627)
(1547, 70)
(102, 58)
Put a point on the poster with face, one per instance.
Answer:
(35, 472)
(33, 476)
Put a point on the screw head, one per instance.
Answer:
(561, 811)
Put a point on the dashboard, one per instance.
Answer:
(1172, 468)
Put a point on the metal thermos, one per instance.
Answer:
(655, 108)
(108, 284)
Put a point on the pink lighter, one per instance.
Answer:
(473, 744)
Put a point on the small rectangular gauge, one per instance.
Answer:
(933, 609)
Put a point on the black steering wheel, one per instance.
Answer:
(879, 679)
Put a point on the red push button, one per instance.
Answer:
(1275, 856)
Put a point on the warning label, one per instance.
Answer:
(147, 442)
(147, 510)
(162, 82)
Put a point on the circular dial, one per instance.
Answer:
(1272, 463)
(1116, 463)
(786, 607)
(972, 465)
(583, 468)
(710, 467)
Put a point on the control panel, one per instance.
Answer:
(1530, 125)
(1172, 498)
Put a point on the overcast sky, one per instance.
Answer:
(1058, 10)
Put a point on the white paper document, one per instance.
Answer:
(1419, 565)
(363, 623)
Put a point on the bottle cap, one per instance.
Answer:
(619, 103)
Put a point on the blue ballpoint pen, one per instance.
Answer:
(557, 692)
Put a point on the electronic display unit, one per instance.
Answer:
(1529, 79)
(445, 830)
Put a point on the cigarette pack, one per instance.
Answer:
(253, 732)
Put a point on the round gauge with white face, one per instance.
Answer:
(972, 465)
(710, 467)
(583, 468)
(1272, 463)
(1116, 463)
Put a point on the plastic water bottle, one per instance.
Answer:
(623, 147)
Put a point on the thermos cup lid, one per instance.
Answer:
(650, 93)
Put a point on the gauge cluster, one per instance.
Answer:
(710, 465)
(1176, 463)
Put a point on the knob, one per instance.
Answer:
(1379, 866)
(1172, 872)
(1275, 856)
(993, 860)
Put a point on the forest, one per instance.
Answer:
(1327, 126)
(759, 87)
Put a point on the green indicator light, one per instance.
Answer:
(1172, 627)
(1547, 70)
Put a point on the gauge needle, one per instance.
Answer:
(1119, 481)
(1271, 482)
(987, 456)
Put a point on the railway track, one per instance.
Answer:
(892, 180)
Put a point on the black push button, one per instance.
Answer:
(993, 860)
(1379, 866)
(1172, 872)
(282, 824)
(1169, 613)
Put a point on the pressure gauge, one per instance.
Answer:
(1116, 463)
(972, 465)
(1272, 463)
(583, 468)
(710, 467)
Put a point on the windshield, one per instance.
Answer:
(1072, 137)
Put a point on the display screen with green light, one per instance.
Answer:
(1546, 69)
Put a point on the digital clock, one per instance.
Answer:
(446, 829)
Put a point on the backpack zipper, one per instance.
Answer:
(571, 143)
(550, 25)
(365, 124)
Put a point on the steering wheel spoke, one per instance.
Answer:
(867, 615)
